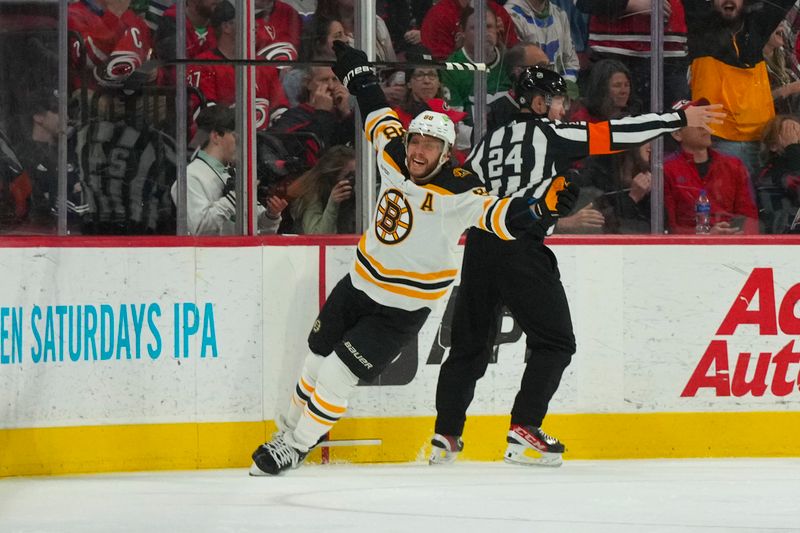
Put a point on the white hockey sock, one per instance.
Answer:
(302, 392)
(328, 403)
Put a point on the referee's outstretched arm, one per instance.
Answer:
(580, 139)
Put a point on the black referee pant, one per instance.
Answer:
(522, 275)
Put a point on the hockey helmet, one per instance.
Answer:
(437, 125)
(538, 80)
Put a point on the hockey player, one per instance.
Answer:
(523, 274)
(405, 262)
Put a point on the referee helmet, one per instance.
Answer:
(534, 81)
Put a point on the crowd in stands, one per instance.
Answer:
(741, 54)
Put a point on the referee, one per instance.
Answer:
(528, 153)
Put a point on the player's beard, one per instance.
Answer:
(426, 175)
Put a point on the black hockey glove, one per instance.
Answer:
(557, 202)
(352, 68)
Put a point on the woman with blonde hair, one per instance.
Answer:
(323, 196)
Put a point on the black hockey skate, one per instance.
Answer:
(445, 449)
(529, 445)
(275, 456)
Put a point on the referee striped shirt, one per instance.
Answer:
(529, 152)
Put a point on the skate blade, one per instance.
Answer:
(442, 458)
(517, 454)
(255, 471)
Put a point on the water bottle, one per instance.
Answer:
(702, 217)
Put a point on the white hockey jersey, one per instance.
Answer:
(407, 258)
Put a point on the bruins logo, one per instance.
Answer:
(461, 172)
(394, 218)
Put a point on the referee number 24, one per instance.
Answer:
(496, 163)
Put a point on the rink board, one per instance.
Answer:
(180, 356)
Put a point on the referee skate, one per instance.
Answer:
(529, 445)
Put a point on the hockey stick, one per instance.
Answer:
(141, 75)
(396, 65)
(351, 442)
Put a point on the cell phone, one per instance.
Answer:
(737, 222)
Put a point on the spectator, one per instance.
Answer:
(615, 194)
(155, 12)
(393, 84)
(403, 19)
(113, 38)
(324, 114)
(278, 28)
(316, 45)
(621, 30)
(778, 182)
(728, 67)
(423, 84)
(504, 107)
(39, 158)
(344, 11)
(461, 83)
(15, 187)
(217, 83)
(323, 195)
(698, 167)
(211, 194)
(442, 35)
(608, 93)
(783, 71)
(578, 27)
(318, 37)
(544, 23)
(199, 38)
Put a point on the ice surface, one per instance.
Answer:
(740, 495)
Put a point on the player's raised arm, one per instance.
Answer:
(381, 123)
